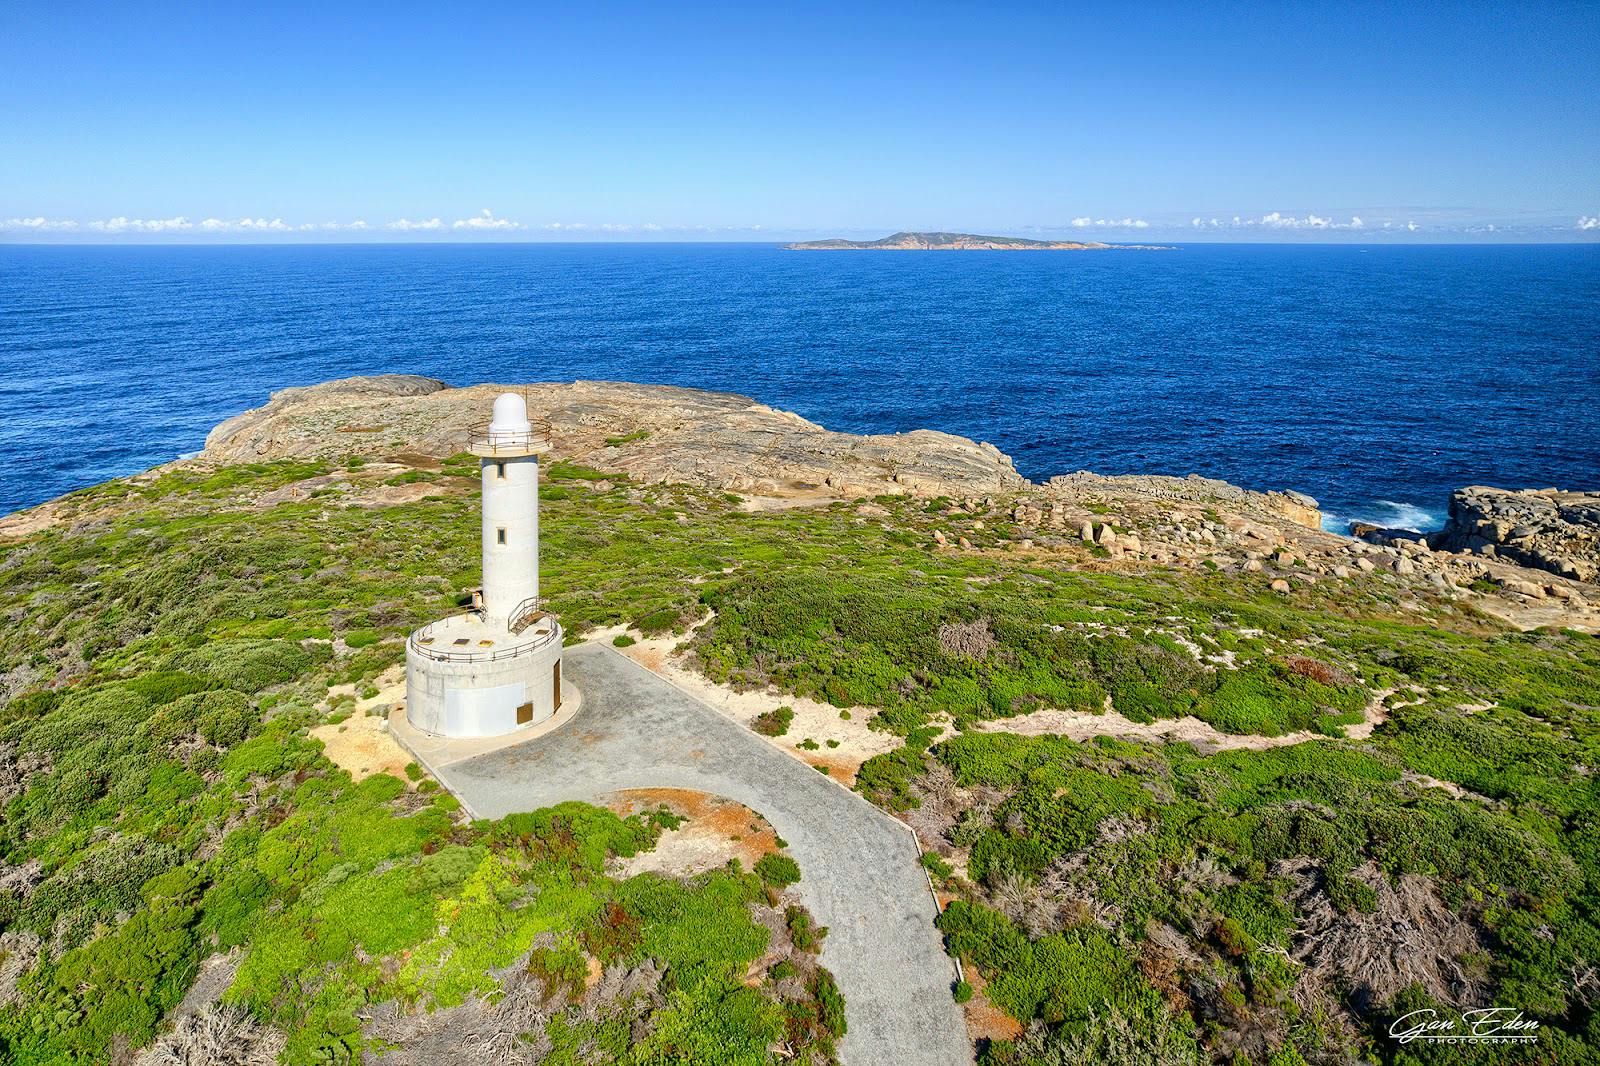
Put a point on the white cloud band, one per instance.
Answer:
(1278, 220)
(1085, 222)
(485, 220)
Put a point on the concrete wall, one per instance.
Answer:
(480, 699)
(510, 503)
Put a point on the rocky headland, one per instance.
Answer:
(1526, 558)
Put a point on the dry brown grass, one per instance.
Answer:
(1410, 937)
(1317, 670)
(967, 640)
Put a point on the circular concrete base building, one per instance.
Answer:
(496, 667)
(468, 677)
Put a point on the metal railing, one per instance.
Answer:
(454, 654)
(525, 614)
(481, 438)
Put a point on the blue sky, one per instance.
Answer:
(129, 122)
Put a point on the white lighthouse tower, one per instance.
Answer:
(508, 455)
(496, 666)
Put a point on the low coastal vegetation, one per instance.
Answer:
(164, 651)
(168, 820)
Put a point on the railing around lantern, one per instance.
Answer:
(481, 438)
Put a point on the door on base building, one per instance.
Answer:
(556, 703)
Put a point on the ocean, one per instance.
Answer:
(1375, 379)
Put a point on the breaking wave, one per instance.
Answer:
(1392, 514)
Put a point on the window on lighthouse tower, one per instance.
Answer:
(500, 470)
(500, 535)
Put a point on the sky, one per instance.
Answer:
(1356, 121)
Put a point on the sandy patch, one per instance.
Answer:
(1374, 714)
(1081, 725)
(836, 769)
(392, 495)
(1427, 781)
(801, 498)
(362, 743)
(853, 742)
(717, 830)
(985, 1021)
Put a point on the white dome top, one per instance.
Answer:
(510, 415)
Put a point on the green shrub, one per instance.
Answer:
(250, 665)
(780, 871)
(774, 723)
(658, 622)
(886, 779)
(806, 934)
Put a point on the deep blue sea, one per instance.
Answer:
(1374, 379)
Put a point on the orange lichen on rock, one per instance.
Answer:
(715, 830)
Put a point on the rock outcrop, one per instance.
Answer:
(1297, 507)
(1545, 529)
(652, 433)
(719, 440)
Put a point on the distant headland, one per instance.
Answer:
(953, 242)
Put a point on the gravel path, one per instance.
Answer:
(861, 877)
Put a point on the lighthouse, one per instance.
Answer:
(508, 457)
(494, 667)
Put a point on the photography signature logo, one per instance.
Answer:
(1486, 1025)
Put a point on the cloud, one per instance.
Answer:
(485, 220)
(1279, 220)
(1085, 222)
(406, 225)
(1589, 222)
(121, 224)
(39, 223)
(254, 225)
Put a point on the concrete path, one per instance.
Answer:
(859, 866)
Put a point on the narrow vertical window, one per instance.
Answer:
(500, 534)
(500, 470)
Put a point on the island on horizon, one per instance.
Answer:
(947, 242)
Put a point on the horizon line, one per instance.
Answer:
(291, 243)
